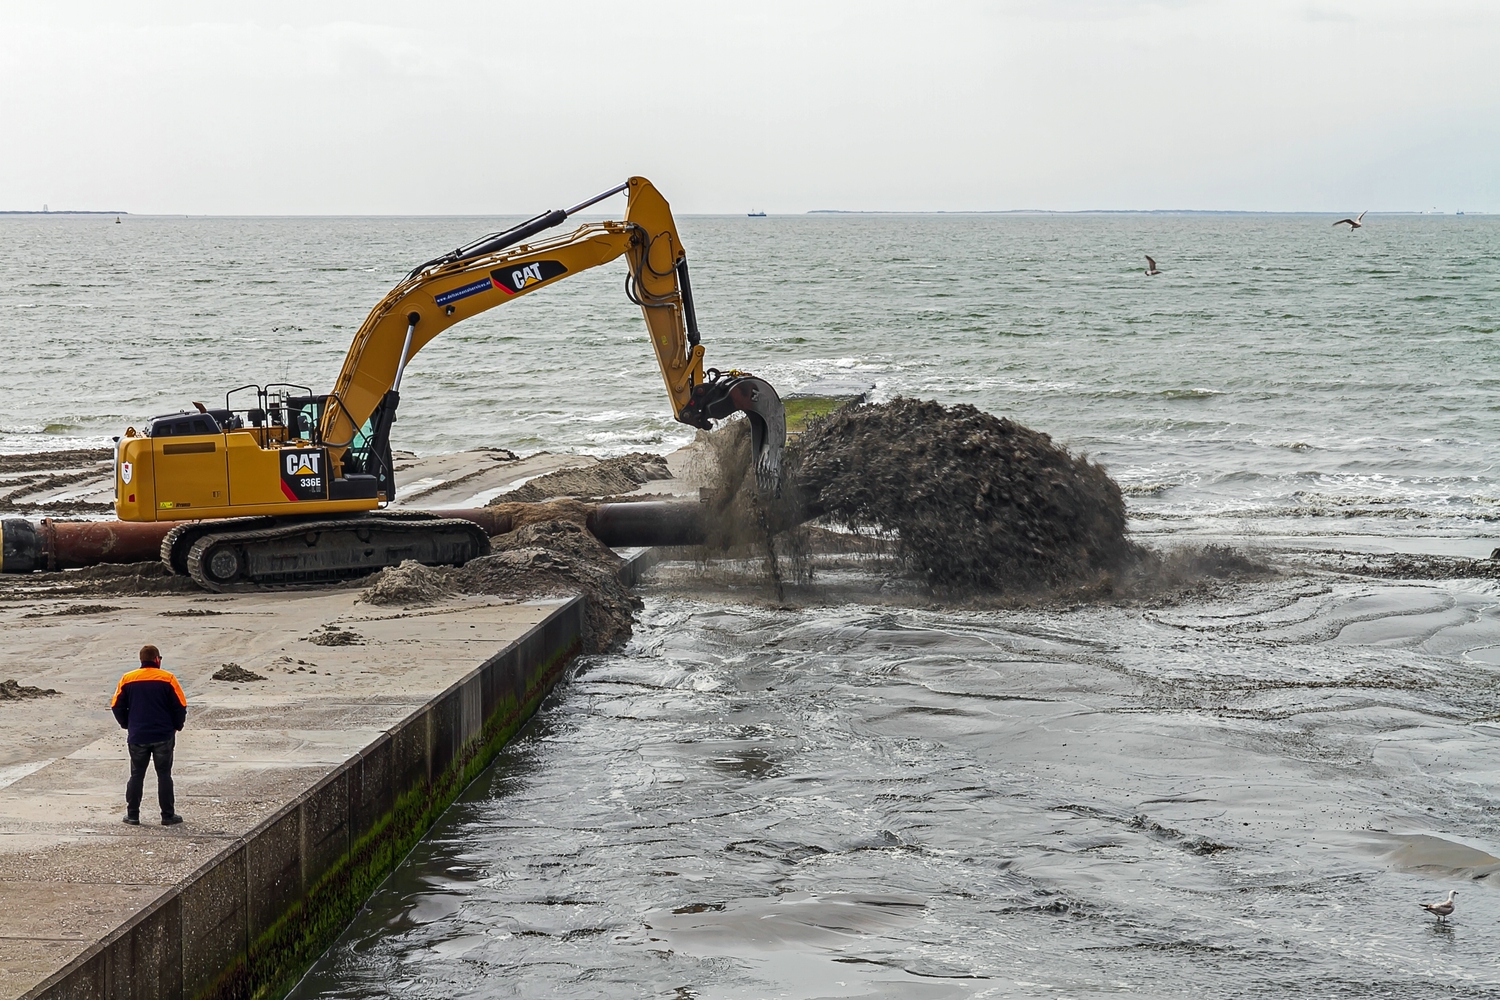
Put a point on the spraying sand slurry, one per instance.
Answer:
(915, 502)
(974, 500)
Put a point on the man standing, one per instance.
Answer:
(150, 706)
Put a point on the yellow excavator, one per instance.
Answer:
(282, 485)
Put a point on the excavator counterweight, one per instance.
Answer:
(286, 485)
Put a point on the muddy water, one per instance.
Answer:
(1244, 795)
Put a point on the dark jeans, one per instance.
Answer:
(140, 755)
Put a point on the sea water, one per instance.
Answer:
(1243, 794)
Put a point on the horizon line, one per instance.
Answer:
(812, 211)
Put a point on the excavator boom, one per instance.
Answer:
(500, 268)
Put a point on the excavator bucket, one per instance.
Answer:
(737, 392)
(761, 403)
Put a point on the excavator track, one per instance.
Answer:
(236, 555)
(175, 546)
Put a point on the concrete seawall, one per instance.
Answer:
(240, 911)
(249, 920)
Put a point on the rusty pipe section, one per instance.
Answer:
(51, 545)
(26, 546)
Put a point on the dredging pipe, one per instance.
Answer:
(28, 546)
(619, 524)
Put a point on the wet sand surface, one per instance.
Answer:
(1241, 794)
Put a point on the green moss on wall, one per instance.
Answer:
(279, 955)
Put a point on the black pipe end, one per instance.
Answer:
(648, 522)
(20, 547)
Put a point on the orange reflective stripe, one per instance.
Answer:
(149, 674)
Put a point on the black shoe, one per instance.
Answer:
(171, 820)
(133, 819)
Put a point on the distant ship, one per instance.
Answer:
(756, 215)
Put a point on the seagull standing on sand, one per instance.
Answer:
(1441, 910)
(1151, 265)
(1355, 223)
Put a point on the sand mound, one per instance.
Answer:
(523, 514)
(408, 585)
(607, 478)
(12, 690)
(973, 500)
(75, 609)
(544, 559)
(236, 673)
(332, 635)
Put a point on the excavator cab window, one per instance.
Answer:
(305, 415)
(178, 424)
(361, 443)
(370, 451)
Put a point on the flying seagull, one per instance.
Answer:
(1151, 265)
(1355, 223)
(1441, 910)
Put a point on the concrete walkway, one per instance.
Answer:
(339, 675)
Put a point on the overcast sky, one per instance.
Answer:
(510, 107)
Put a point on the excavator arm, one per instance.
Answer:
(502, 267)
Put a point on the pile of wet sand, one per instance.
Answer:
(237, 674)
(611, 477)
(75, 609)
(545, 558)
(332, 635)
(12, 690)
(969, 499)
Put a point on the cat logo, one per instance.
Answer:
(126, 471)
(526, 275)
(302, 475)
(522, 277)
(300, 463)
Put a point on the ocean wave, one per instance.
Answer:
(1145, 489)
(1309, 512)
(1189, 393)
(25, 444)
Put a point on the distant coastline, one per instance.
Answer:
(1095, 211)
(69, 211)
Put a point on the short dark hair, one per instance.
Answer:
(150, 654)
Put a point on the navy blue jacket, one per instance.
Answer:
(149, 703)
